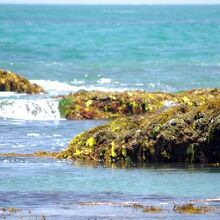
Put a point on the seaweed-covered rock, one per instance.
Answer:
(12, 82)
(183, 133)
(106, 105)
(191, 209)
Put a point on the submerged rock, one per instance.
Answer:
(11, 82)
(108, 105)
(188, 132)
(190, 209)
(35, 154)
(10, 210)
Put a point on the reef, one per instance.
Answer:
(10, 210)
(186, 209)
(131, 205)
(190, 209)
(182, 209)
(188, 132)
(35, 154)
(109, 105)
(11, 82)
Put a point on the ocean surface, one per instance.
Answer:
(67, 48)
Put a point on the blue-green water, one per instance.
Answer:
(165, 47)
(67, 48)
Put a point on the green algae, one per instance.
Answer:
(11, 82)
(64, 106)
(183, 133)
(91, 142)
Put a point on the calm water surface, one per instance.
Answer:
(57, 189)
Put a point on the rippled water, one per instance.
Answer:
(58, 189)
(166, 47)
(67, 48)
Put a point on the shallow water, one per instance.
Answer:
(59, 188)
(67, 48)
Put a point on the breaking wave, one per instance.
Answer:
(103, 84)
(30, 109)
(61, 88)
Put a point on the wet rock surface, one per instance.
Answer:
(11, 82)
(105, 105)
(108, 105)
(188, 133)
(191, 209)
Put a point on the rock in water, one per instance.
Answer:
(151, 137)
(108, 105)
(11, 82)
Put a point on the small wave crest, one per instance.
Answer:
(26, 109)
(55, 88)
(104, 81)
(60, 88)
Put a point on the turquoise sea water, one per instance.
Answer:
(67, 48)
(165, 47)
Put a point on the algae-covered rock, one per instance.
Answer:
(11, 82)
(107, 105)
(190, 209)
(182, 133)
(35, 154)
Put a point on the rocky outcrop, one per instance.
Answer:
(105, 105)
(11, 82)
(108, 105)
(188, 132)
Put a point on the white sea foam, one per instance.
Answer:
(213, 200)
(103, 84)
(33, 134)
(77, 82)
(104, 81)
(26, 109)
(9, 94)
(57, 88)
